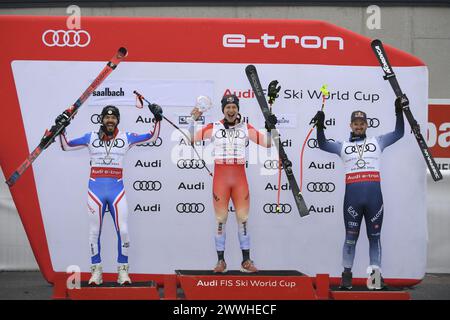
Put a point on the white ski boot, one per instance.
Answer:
(123, 277)
(96, 274)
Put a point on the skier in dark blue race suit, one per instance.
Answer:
(363, 197)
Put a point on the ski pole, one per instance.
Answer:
(325, 94)
(141, 98)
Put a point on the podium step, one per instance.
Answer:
(364, 293)
(114, 291)
(235, 285)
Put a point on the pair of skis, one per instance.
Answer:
(389, 75)
(58, 128)
(253, 77)
(380, 53)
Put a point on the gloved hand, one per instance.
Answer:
(400, 103)
(63, 118)
(271, 122)
(319, 120)
(272, 91)
(156, 110)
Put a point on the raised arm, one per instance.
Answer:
(324, 144)
(75, 144)
(134, 139)
(387, 139)
(328, 146)
(258, 137)
(202, 134)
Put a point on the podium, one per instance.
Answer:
(114, 291)
(235, 285)
(363, 293)
(275, 285)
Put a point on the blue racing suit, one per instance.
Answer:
(106, 189)
(363, 197)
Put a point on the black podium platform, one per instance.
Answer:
(114, 291)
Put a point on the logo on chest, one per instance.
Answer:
(116, 143)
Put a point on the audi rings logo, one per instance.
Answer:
(370, 147)
(236, 134)
(118, 143)
(66, 38)
(156, 143)
(96, 118)
(190, 164)
(147, 185)
(313, 143)
(271, 164)
(272, 208)
(190, 208)
(373, 122)
(320, 187)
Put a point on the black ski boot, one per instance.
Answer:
(346, 281)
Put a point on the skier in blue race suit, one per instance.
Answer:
(107, 148)
(363, 197)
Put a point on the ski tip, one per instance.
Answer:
(12, 180)
(250, 68)
(375, 42)
(122, 52)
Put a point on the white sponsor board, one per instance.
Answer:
(163, 239)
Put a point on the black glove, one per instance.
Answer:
(271, 122)
(400, 103)
(63, 118)
(272, 91)
(156, 110)
(319, 120)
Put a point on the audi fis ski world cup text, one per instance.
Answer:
(313, 95)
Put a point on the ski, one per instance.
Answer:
(252, 76)
(380, 53)
(55, 130)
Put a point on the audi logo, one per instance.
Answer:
(118, 143)
(191, 164)
(373, 122)
(66, 38)
(96, 118)
(313, 143)
(147, 185)
(156, 143)
(272, 208)
(370, 147)
(190, 207)
(271, 164)
(236, 134)
(320, 187)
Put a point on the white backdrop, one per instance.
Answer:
(166, 240)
